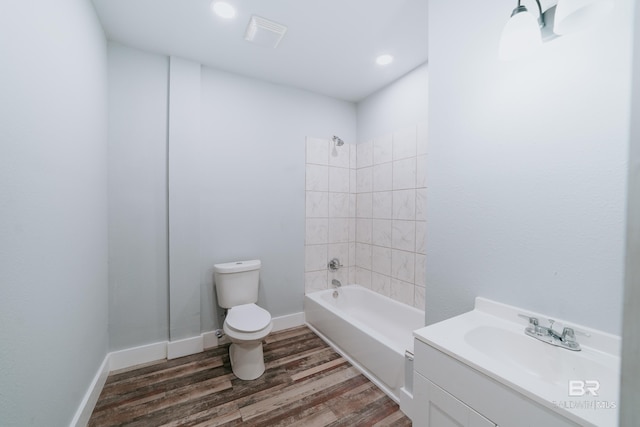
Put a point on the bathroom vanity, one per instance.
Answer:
(481, 369)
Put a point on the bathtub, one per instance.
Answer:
(370, 330)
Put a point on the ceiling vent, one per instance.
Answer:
(264, 32)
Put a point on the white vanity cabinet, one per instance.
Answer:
(448, 393)
(438, 408)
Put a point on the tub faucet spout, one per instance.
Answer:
(336, 283)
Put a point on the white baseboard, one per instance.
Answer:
(185, 347)
(209, 340)
(130, 357)
(81, 418)
(137, 355)
(288, 321)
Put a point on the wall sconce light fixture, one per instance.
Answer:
(524, 33)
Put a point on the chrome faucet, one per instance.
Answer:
(336, 283)
(567, 339)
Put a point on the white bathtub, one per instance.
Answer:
(369, 329)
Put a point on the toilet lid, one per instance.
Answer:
(248, 318)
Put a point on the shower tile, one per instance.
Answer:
(316, 231)
(317, 204)
(421, 237)
(402, 291)
(422, 138)
(421, 172)
(383, 177)
(338, 205)
(404, 174)
(363, 256)
(315, 257)
(338, 230)
(365, 155)
(403, 235)
(403, 265)
(363, 277)
(381, 284)
(353, 182)
(338, 180)
(419, 298)
(382, 205)
(364, 207)
(363, 230)
(404, 143)
(364, 180)
(421, 270)
(421, 204)
(315, 281)
(352, 254)
(382, 149)
(338, 156)
(404, 204)
(352, 275)
(352, 229)
(317, 178)
(352, 205)
(381, 260)
(353, 150)
(381, 233)
(317, 151)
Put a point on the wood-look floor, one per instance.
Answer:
(305, 384)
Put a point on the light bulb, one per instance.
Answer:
(223, 9)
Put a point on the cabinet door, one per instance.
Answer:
(437, 408)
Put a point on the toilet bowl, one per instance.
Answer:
(246, 326)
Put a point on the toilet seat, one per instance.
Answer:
(248, 318)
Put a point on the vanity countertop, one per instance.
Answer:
(581, 385)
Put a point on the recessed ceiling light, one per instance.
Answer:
(384, 59)
(223, 9)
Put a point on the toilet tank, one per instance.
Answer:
(237, 282)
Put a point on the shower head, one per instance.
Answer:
(339, 142)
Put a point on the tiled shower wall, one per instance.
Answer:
(330, 212)
(391, 214)
(365, 205)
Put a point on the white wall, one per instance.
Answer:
(527, 167)
(252, 181)
(184, 198)
(630, 389)
(53, 209)
(402, 103)
(138, 263)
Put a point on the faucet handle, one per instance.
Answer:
(569, 334)
(533, 321)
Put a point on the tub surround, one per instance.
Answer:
(365, 204)
(391, 214)
(330, 210)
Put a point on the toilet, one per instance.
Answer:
(246, 324)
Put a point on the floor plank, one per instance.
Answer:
(306, 383)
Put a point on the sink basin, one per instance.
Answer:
(545, 362)
(491, 340)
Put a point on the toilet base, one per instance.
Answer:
(247, 360)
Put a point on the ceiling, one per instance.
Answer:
(329, 48)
